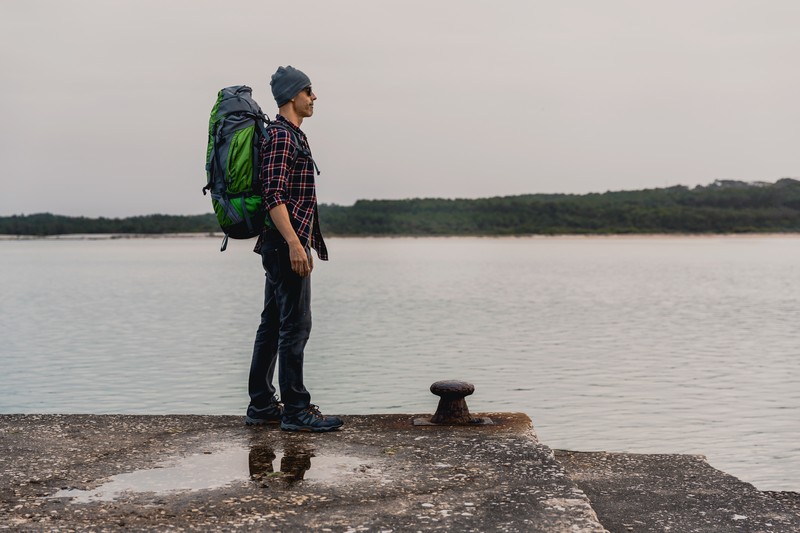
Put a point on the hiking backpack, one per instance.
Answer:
(235, 130)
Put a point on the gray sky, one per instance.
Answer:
(106, 103)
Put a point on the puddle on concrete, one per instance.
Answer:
(301, 464)
(220, 468)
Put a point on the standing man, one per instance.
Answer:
(286, 176)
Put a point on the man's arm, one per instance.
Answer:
(274, 174)
(301, 261)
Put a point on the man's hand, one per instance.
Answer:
(301, 261)
(302, 264)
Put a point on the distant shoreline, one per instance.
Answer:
(571, 236)
(722, 208)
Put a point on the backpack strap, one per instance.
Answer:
(300, 148)
(261, 119)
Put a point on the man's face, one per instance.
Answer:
(304, 102)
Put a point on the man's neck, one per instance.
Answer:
(289, 114)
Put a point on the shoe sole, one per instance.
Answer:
(311, 429)
(259, 422)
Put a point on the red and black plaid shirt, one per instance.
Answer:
(286, 176)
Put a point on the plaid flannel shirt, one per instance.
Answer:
(286, 176)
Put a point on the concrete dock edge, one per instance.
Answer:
(380, 473)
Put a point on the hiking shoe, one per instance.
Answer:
(310, 419)
(266, 415)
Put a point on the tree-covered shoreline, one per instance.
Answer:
(721, 207)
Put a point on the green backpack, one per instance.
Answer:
(235, 130)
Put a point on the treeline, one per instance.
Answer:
(722, 207)
(44, 224)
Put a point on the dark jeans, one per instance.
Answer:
(283, 333)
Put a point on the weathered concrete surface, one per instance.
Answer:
(677, 493)
(379, 473)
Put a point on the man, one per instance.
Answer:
(286, 175)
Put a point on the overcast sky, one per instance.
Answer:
(105, 104)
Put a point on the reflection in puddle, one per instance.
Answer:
(222, 467)
(300, 463)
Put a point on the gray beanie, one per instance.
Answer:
(286, 83)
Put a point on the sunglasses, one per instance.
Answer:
(308, 90)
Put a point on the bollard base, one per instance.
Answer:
(481, 421)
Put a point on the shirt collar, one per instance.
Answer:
(280, 118)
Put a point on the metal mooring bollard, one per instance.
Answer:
(452, 408)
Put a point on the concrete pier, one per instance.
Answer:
(380, 473)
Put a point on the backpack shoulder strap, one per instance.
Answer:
(301, 150)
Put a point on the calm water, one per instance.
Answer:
(651, 344)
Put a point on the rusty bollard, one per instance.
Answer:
(452, 408)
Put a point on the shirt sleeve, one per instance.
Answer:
(274, 168)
